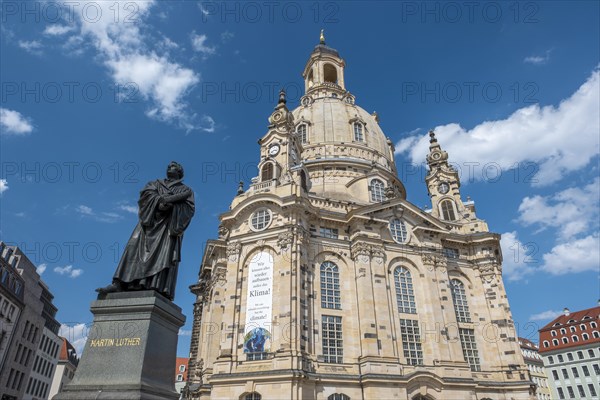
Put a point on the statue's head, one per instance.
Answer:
(174, 170)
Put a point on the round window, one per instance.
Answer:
(398, 230)
(261, 219)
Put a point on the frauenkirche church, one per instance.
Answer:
(326, 283)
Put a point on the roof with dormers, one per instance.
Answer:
(571, 329)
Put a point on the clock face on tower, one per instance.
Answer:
(274, 150)
(443, 188)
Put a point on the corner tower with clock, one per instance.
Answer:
(326, 283)
(443, 186)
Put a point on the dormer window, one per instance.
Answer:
(377, 191)
(302, 132)
(266, 173)
(358, 132)
(447, 208)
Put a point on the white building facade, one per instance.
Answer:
(570, 346)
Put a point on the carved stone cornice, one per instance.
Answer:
(432, 261)
(233, 251)
(363, 252)
(223, 232)
(489, 272)
(285, 239)
(360, 251)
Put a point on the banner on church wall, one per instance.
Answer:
(259, 304)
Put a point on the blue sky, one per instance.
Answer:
(98, 98)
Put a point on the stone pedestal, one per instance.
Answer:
(131, 350)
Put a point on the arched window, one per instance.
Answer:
(330, 286)
(405, 294)
(302, 133)
(546, 343)
(596, 334)
(585, 336)
(565, 340)
(377, 190)
(253, 396)
(572, 329)
(553, 333)
(555, 342)
(593, 324)
(459, 297)
(575, 338)
(330, 73)
(563, 330)
(358, 132)
(583, 327)
(267, 172)
(447, 207)
(398, 230)
(338, 396)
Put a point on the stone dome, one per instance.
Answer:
(329, 123)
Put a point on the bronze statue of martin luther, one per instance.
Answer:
(152, 255)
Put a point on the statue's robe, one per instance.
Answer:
(152, 255)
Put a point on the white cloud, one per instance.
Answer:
(41, 268)
(185, 332)
(538, 60)
(31, 46)
(109, 217)
(578, 255)
(69, 271)
(208, 124)
(85, 210)
(128, 54)
(3, 186)
(517, 259)
(57, 30)
(558, 139)
(227, 36)
(76, 334)
(128, 208)
(572, 211)
(13, 122)
(199, 44)
(545, 315)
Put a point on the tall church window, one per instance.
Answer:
(358, 132)
(267, 172)
(469, 348)
(447, 207)
(398, 230)
(411, 341)
(377, 191)
(253, 396)
(302, 133)
(405, 294)
(330, 286)
(459, 298)
(333, 351)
